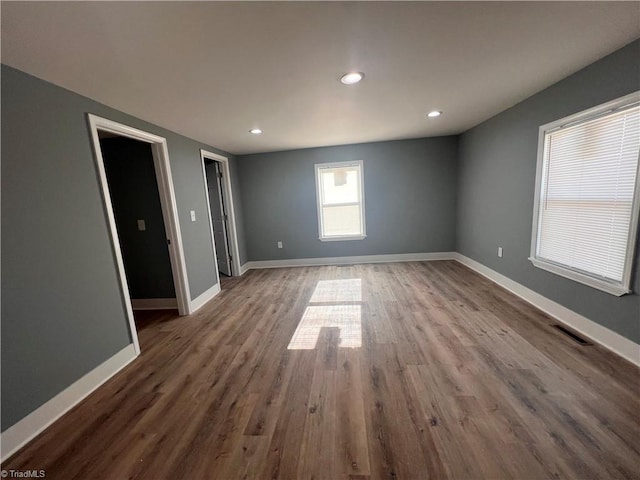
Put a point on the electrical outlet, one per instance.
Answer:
(500, 252)
(193, 215)
(279, 244)
(141, 225)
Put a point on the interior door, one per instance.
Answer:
(218, 218)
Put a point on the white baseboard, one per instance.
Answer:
(244, 268)
(203, 298)
(13, 438)
(594, 331)
(310, 262)
(154, 303)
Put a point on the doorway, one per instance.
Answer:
(138, 214)
(219, 217)
(101, 127)
(221, 213)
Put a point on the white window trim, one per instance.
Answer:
(614, 288)
(335, 238)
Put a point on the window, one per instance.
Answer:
(585, 217)
(340, 201)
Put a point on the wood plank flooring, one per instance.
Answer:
(420, 370)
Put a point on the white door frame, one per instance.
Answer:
(169, 212)
(227, 193)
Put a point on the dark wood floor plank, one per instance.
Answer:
(318, 446)
(351, 437)
(284, 450)
(391, 432)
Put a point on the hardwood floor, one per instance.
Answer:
(420, 370)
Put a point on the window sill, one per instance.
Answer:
(613, 289)
(340, 239)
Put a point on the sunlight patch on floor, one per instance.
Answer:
(347, 290)
(347, 318)
(333, 313)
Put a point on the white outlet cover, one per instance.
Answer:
(141, 225)
(193, 215)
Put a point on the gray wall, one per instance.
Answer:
(410, 199)
(134, 195)
(497, 180)
(62, 313)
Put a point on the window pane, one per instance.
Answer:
(586, 202)
(340, 185)
(343, 220)
(571, 234)
(340, 202)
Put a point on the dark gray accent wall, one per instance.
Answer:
(497, 182)
(410, 199)
(134, 195)
(62, 311)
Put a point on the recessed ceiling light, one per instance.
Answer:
(434, 114)
(255, 131)
(351, 78)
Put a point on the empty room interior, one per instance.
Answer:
(320, 240)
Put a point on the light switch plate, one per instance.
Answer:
(193, 215)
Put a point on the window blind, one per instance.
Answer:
(587, 194)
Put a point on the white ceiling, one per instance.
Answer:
(213, 70)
